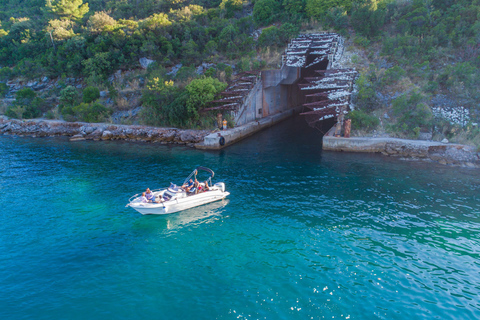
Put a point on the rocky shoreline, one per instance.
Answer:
(78, 131)
(443, 153)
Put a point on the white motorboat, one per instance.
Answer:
(175, 198)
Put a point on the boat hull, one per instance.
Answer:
(176, 205)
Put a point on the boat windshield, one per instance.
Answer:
(195, 172)
(173, 188)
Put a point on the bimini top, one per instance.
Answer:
(207, 169)
(196, 171)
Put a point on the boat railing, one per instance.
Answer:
(139, 194)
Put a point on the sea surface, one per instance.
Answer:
(305, 234)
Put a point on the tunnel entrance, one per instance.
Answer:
(310, 81)
(324, 87)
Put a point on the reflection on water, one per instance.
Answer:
(207, 213)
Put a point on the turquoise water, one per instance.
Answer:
(304, 234)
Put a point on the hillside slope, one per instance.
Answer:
(160, 62)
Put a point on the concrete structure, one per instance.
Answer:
(452, 154)
(272, 99)
(257, 100)
(214, 140)
(252, 109)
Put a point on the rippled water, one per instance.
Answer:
(305, 234)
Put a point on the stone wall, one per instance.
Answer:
(77, 131)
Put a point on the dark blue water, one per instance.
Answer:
(305, 234)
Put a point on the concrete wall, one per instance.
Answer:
(252, 108)
(280, 90)
(276, 92)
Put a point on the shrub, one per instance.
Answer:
(392, 75)
(337, 18)
(3, 89)
(362, 120)
(367, 19)
(99, 22)
(366, 98)
(270, 37)
(93, 112)
(69, 96)
(26, 105)
(200, 92)
(411, 113)
(265, 11)
(16, 112)
(90, 94)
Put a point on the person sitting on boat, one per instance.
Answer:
(189, 185)
(143, 198)
(150, 197)
(204, 187)
(197, 187)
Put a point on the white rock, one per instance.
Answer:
(145, 62)
(445, 140)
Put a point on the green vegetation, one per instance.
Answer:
(420, 57)
(26, 105)
(363, 121)
(165, 103)
(416, 56)
(93, 39)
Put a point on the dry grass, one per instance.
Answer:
(222, 76)
(121, 103)
(133, 85)
(467, 138)
(272, 57)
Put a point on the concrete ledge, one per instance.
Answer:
(212, 141)
(442, 153)
(367, 144)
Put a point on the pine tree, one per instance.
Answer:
(68, 9)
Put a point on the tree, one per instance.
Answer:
(26, 105)
(269, 37)
(230, 6)
(317, 8)
(156, 21)
(68, 9)
(200, 92)
(60, 29)
(97, 66)
(295, 8)
(90, 94)
(99, 22)
(265, 11)
(367, 19)
(69, 96)
(412, 114)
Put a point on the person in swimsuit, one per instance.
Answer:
(150, 197)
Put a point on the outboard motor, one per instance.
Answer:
(221, 186)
